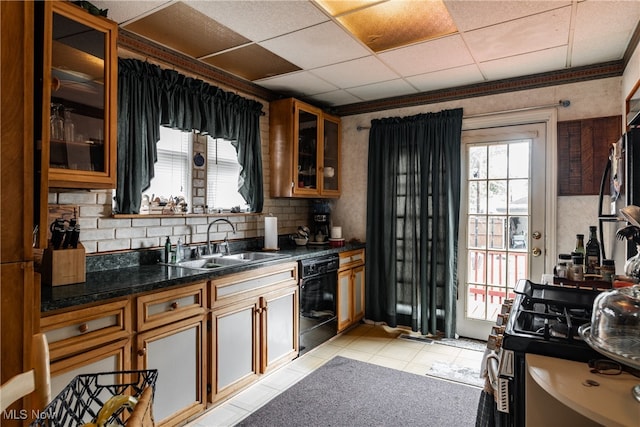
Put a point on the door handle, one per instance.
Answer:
(536, 251)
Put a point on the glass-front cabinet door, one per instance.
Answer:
(304, 145)
(318, 152)
(78, 98)
(308, 131)
(331, 156)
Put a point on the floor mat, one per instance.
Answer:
(461, 374)
(466, 343)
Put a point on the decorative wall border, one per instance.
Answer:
(151, 50)
(554, 78)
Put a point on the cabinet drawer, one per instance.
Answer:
(79, 330)
(165, 307)
(234, 287)
(351, 258)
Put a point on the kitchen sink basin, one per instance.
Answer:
(253, 256)
(218, 260)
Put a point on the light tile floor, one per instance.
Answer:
(368, 343)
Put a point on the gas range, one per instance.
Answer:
(544, 320)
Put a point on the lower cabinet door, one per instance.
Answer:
(111, 357)
(234, 347)
(281, 328)
(358, 293)
(344, 300)
(176, 351)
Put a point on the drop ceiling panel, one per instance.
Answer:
(349, 74)
(603, 30)
(175, 26)
(543, 31)
(473, 14)
(440, 54)
(123, 12)
(529, 63)
(338, 97)
(391, 24)
(316, 46)
(388, 89)
(251, 62)
(302, 83)
(262, 20)
(453, 77)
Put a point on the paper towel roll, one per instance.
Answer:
(271, 232)
(336, 232)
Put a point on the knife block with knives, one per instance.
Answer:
(63, 261)
(63, 266)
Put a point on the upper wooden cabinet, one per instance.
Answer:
(305, 150)
(79, 98)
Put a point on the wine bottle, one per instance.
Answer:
(592, 252)
(580, 250)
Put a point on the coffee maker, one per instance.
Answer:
(320, 222)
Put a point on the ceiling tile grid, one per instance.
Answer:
(341, 52)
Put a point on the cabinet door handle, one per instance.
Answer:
(142, 351)
(174, 305)
(83, 328)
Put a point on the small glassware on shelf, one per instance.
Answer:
(57, 123)
(69, 126)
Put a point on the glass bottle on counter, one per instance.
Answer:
(577, 269)
(608, 270)
(579, 247)
(592, 252)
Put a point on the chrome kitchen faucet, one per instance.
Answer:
(226, 243)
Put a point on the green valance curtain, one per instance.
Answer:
(413, 205)
(150, 97)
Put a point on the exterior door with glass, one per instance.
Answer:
(502, 227)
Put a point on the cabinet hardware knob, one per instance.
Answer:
(174, 305)
(142, 351)
(83, 328)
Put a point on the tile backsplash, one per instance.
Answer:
(102, 232)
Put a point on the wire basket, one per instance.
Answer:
(80, 401)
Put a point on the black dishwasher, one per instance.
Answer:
(318, 320)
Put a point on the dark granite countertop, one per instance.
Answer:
(102, 285)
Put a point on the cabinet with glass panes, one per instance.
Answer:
(305, 150)
(77, 138)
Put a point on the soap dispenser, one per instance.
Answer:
(167, 250)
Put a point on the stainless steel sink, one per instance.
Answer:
(253, 256)
(211, 262)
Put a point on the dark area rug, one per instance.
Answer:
(346, 392)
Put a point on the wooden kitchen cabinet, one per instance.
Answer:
(350, 291)
(79, 81)
(76, 331)
(305, 150)
(76, 136)
(171, 338)
(254, 326)
(176, 351)
(88, 340)
(112, 357)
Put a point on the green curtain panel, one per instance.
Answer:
(150, 97)
(413, 206)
